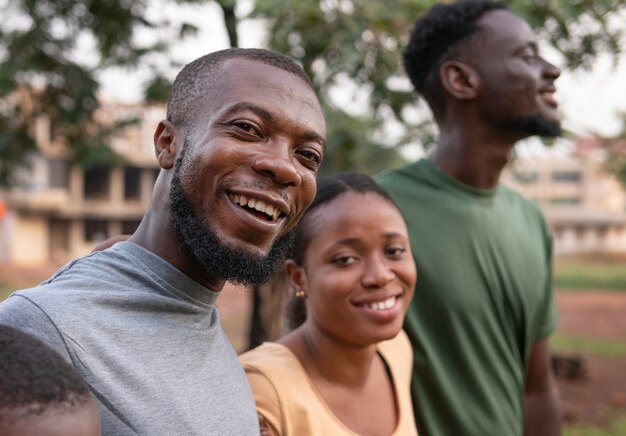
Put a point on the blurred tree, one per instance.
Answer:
(615, 147)
(342, 44)
(45, 69)
(357, 45)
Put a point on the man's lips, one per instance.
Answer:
(258, 206)
(547, 94)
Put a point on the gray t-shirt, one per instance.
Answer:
(146, 338)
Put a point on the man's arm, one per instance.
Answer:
(541, 398)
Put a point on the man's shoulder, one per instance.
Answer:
(392, 175)
(92, 274)
(512, 196)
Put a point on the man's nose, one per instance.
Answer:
(278, 163)
(550, 70)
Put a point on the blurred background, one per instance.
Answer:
(82, 86)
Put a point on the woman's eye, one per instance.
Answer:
(344, 260)
(396, 251)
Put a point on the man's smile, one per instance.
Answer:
(268, 211)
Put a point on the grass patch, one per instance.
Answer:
(585, 275)
(6, 290)
(586, 345)
(616, 427)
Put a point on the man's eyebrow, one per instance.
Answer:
(244, 105)
(310, 135)
(529, 44)
(268, 117)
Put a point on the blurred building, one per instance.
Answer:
(60, 211)
(585, 206)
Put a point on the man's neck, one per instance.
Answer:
(471, 156)
(158, 235)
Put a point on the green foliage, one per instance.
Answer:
(616, 427)
(363, 41)
(360, 42)
(580, 30)
(586, 345)
(616, 153)
(581, 275)
(42, 72)
(337, 42)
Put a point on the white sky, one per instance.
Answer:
(589, 100)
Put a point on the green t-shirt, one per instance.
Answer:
(483, 297)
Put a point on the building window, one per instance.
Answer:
(526, 177)
(97, 183)
(566, 176)
(96, 230)
(132, 177)
(58, 173)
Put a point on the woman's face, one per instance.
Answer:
(358, 270)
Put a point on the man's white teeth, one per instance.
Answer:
(382, 305)
(259, 205)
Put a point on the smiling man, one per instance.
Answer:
(483, 306)
(239, 152)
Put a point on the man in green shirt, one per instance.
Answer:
(483, 306)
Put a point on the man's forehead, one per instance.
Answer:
(248, 85)
(504, 29)
(502, 25)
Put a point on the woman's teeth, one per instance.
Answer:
(382, 305)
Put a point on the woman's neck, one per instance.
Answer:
(330, 359)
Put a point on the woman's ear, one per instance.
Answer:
(166, 143)
(295, 274)
(459, 79)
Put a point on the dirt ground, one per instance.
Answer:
(601, 394)
(595, 399)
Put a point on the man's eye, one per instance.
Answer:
(246, 127)
(311, 156)
(530, 58)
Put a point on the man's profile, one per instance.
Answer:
(483, 306)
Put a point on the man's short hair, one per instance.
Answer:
(191, 84)
(34, 379)
(436, 37)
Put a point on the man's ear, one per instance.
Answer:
(166, 143)
(295, 275)
(459, 79)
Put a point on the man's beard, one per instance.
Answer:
(539, 125)
(216, 257)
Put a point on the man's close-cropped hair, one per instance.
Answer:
(193, 81)
(437, 33)
(34, 378)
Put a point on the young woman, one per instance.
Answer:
(346, 369)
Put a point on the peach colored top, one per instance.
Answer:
(289, 401)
